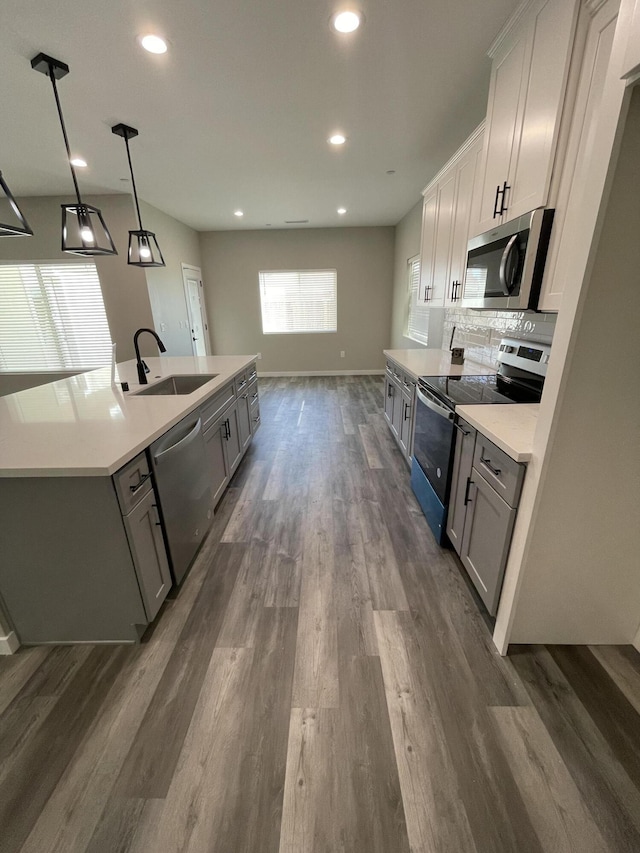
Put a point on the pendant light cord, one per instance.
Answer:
(64, 133)
(133, 181)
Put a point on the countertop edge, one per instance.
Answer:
(444, 367)
(523, 452)
(107, 470)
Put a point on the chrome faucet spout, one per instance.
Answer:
(142, 367)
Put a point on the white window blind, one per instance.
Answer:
(52, 317)
(298, 301)
(418, 313)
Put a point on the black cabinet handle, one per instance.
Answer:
(427, 289)
(501, 193)
(487, 462)
(407, 407)
(142, 480)
(503, 206)
(254, 396)
(227, 429)
(390, 391)
(256, 420)
(462, 430)
(467, 499)
(496, 212)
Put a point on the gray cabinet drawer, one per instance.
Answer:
(241, 382)
(252, 373)
(499, 470)
(214, 407)
(132, 482)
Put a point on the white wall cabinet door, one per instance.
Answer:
(502, 114)
(526, 97)
(597, 51)
(460, 229)
(428, 244)
(444, 229)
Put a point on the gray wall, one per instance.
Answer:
(363, 257)
(179, 245)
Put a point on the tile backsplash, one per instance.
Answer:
(479, 332)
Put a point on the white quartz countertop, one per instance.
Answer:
(84, 426)
(511, 427)
(434, 362)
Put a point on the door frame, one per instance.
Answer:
(189, 268)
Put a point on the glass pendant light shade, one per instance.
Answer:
(143, 246)
(144, 250)
(84, 231)
(16, 225)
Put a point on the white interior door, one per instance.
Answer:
(194, 296)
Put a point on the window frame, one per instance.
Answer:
(413, 289)
(298, 272)
(55, 321)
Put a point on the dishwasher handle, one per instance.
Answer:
(184, 441)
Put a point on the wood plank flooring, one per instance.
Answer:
(323, 681)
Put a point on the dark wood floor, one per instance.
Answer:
(323, 682)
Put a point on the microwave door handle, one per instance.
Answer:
(439, 409)
(504, 284)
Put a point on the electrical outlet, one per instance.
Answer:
(341, 353)
(259, 355)
(163, 327)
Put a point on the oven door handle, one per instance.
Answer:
(504, 284)
(436, 407)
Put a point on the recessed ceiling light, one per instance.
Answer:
(238, 213)
(346, 22)
(154, 44)
(337, 139)
(342, 210)
(78, 162)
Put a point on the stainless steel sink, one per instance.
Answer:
(181, 384)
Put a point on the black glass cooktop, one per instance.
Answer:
(463, 390)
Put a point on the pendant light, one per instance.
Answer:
(22, 229)
(143, 246)
(84, 231)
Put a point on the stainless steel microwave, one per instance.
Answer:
(505, 265)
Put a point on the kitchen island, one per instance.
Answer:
(82, 530)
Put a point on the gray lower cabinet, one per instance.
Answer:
(482, 513)
(149, 554)
(399, 404)
(244, 419)
(486, 539)
(234, 443)
(458, 499)
(215, 442)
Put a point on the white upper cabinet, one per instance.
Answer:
(595, 32)
(530, 66)
(446, 215)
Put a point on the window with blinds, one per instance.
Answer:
(52, 317)
(298, 301)
(418, 313)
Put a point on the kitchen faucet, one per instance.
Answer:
(142, 367)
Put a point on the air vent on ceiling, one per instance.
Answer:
(295, 221)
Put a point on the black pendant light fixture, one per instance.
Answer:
(21, 228)
(143, 246)
(84, 231)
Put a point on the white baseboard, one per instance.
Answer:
(269, 373)
(9, 644)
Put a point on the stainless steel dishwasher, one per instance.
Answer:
(180, 469)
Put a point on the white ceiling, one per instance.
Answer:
(237, 113)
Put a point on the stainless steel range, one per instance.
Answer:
(520, 379)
